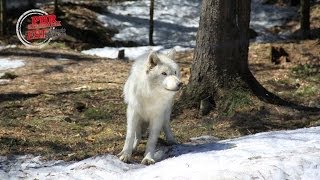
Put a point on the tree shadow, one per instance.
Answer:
(45, 54)
(8, 163)
(20, 146)
(14, 96)
(313, 34)
(141, 22)
(262, 67)
(163, 28)
(269, 118)
(166, 152)
(282, 86)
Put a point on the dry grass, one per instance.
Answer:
(73, 109)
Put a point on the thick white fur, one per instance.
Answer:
(149, 93)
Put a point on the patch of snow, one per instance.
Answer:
(266, 16)
(291, 154)
(60, 58)
(7, 63)
(4, 81)
(8, 46)
(176, 23)
(178, 49)
(131, 53)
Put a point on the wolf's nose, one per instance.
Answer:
(180, 84)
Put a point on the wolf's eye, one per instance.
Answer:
(164, 73)
(175, 72)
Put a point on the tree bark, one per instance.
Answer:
(220, 63)
(221, 53)
(3, 18)
(305, 19)
(151, 24)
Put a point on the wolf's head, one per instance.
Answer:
(163, 72)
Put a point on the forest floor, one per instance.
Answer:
(66, 105)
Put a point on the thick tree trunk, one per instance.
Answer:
(221, 53)
(220, 63)
(305, 18)
(151, 25)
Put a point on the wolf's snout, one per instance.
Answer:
(172, 83)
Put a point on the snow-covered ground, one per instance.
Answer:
(176, 24)
(130, 52)
(7, 63)
(273, 155)
(264, 17)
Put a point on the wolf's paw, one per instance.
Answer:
(147, 161)
(120, 154)
(125, 157)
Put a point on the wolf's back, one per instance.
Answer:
(136, 82)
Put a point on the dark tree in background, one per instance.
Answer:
(221, 53)
(305, 18)
(3, 12)
(56, 10)
(151, 23)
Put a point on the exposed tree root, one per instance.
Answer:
(269, 97)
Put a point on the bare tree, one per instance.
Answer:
(305, 18)
(56, 8)
(151, 27)
(3, 13)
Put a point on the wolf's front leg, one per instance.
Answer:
(168, 133)
(155, 128)
(132, 122)
(167, 130)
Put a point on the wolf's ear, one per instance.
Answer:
(172, 54)
(153, 60)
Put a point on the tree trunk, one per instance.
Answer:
(294, 2)
(221, 53)
(220, 63)
(3, 21)
(305, 18)
(151, 25)
(56, 10)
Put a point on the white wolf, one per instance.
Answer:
(149, 93)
